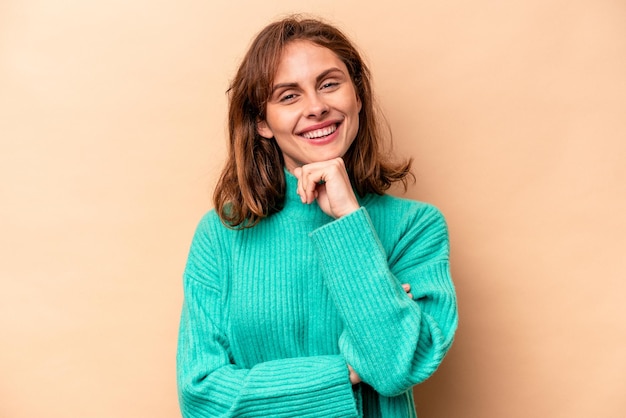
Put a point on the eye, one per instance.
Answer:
(329, 85)
(287, 97)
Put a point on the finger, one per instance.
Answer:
(302, 190)
(407, 288)
(310, 186)
(299, 187)
(311, 180)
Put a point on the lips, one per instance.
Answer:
(320, 131)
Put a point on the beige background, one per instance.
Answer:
(112, 120)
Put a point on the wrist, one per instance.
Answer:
(347, 211)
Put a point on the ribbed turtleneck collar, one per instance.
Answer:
(294, 208)
(291, 192)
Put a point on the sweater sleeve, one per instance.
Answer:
(391, 341)
(209, 381)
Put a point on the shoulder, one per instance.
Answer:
(209, 220)
(208, 253)
(208, 224)
(398, 210)
(210, 232)
(404, 223)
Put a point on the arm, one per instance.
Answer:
(209, 381)
(391, 341)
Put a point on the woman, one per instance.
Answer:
(308, 291)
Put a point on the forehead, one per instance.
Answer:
(301, 60)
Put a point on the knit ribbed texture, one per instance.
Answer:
(273, 314)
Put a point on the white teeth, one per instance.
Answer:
(318, 133)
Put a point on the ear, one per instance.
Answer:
(263, 129)
(359, 103)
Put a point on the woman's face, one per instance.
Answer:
(313, 110)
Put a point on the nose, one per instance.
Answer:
(315, 106)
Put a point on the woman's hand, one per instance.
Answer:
(407, 289)
(354, 376)
(327, 182)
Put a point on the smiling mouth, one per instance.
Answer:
(320, 133)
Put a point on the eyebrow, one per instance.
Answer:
(320, 77)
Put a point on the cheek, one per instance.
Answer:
(357, 106)
(282, 121)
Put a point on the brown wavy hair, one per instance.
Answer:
(252, 184)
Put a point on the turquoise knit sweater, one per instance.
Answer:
(273, 314)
